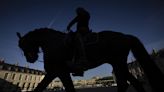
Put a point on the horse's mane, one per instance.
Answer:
(43, 31)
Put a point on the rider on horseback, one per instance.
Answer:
(82, 20)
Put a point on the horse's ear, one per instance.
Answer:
(19, 35)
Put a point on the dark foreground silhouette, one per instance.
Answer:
(6, 86)
(103, 47)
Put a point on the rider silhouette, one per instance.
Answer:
(82, 20)
(82, 28)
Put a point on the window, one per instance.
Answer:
(13, 77)
(23, 86)
(16, 69)
(17, 84)
(20, 77)
(38, 78)
(34, 78)
(6, 75)
(30, 78)
(26, 77)
(22, 70)
(9, 68)
(28, 86)
(1, 66)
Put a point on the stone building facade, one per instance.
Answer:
(136, 70)
(27, 79)
(14, 78)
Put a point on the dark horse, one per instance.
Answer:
(109, 47)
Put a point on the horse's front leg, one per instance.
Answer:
(67, 82)
(44, 83)
(121, 77)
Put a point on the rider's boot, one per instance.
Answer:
(79, 69)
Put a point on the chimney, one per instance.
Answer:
(2, 60)
(16, 64)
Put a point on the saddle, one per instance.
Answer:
(88, 39)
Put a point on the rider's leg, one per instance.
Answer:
(80, 57)
(81, 47)
(81, 32)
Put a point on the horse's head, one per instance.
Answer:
(29, 47)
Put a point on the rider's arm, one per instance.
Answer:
(72, 22)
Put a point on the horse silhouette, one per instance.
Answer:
(109, 47)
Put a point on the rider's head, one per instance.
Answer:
(80, 10)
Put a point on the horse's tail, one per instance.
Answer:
(153, 73)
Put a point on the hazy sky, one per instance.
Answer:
(142, 18)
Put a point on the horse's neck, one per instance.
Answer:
(51, 41)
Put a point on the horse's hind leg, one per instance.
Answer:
(44, 83)
(136, 84)
(67, 82)
(122, 75)
(151, 70)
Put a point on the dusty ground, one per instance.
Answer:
(104, 89)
